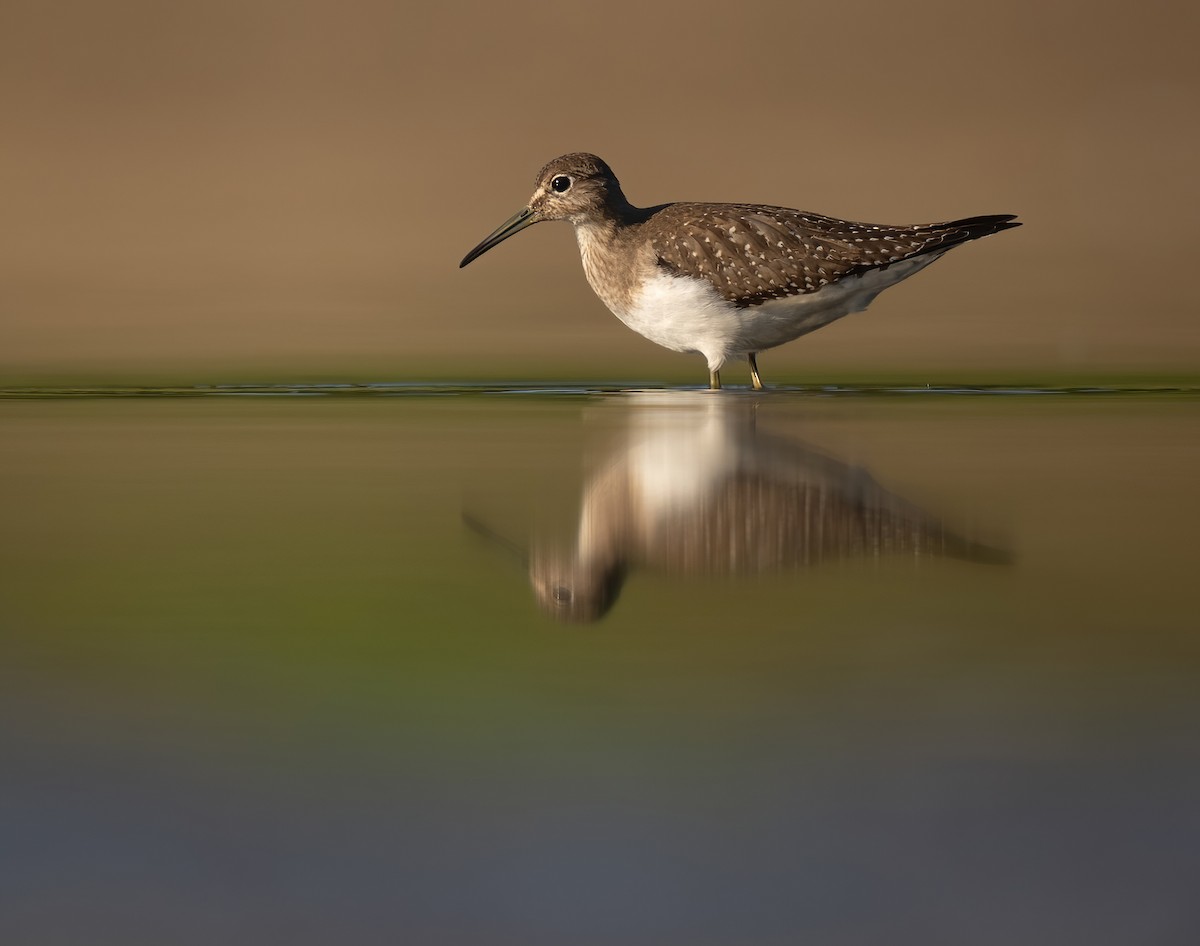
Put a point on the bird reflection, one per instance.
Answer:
(695, 489)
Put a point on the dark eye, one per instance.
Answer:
(562, 594)
(560, 183)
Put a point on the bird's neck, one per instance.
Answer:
(605, 241)
(613, 212)
(603, 227)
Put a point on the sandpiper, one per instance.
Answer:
(724, 280)
(693, 488)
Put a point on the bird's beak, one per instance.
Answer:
(514, 224)
(480, 528)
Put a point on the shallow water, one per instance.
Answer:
(839, 665)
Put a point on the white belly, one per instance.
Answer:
(689, 315)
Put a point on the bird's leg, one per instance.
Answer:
(755, 380)
(714, 380)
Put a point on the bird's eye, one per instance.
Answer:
(562, 595)
(560, 184)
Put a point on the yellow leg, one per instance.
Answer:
(714, 380)
(754, 377)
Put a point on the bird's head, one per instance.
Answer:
(577, 187)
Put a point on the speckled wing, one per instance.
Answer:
(752, 253)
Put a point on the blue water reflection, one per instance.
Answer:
(260, 685)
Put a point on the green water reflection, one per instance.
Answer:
(260, 680)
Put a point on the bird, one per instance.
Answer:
(693, 488)
(726, 280)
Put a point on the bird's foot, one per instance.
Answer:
(755, 379)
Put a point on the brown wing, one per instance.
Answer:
(751, 253)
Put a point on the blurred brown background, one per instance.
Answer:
(226, 189)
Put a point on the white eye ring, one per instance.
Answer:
(560, 184)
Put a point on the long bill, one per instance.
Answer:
(482, 529)
(514, 224)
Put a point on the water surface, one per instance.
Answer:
(505, 664)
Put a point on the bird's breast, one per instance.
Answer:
(615, 276)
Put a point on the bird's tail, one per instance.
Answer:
(939, 237)
(972, 228)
